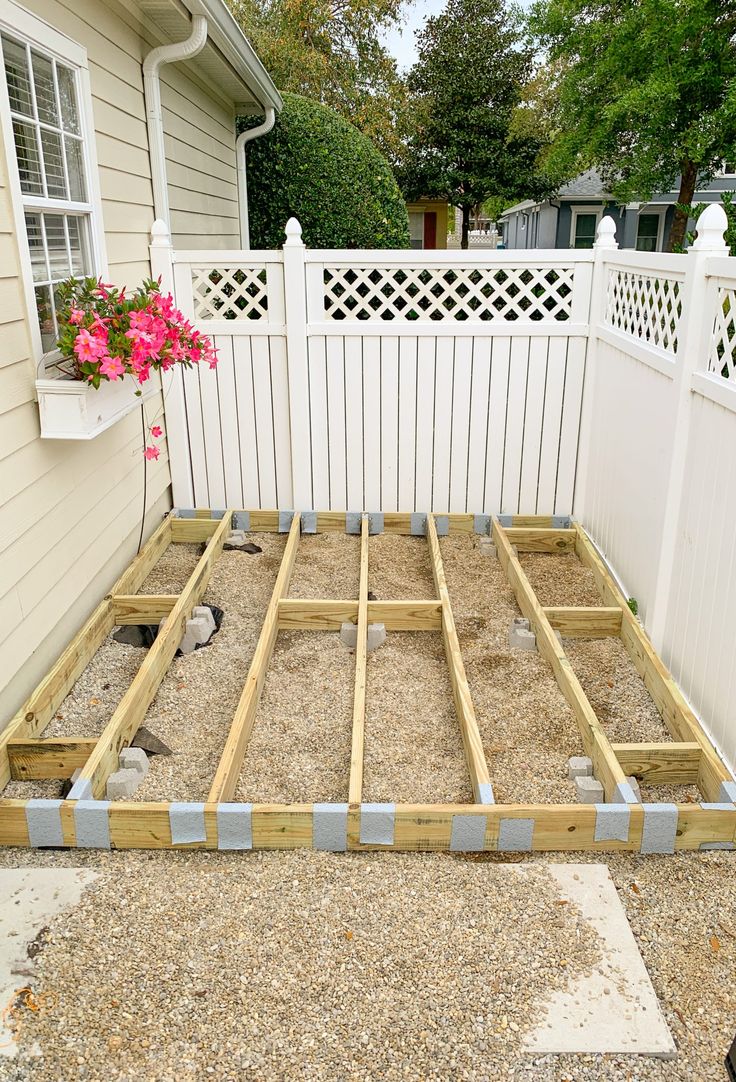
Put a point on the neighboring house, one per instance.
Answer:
(482, 233)
(89, 157)
(570, 219)
(428, 223)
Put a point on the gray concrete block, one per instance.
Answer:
(485, 793)
(521, 621)
(349, 635)
(660, 828)
(612, 822)
(515, 835)
(442, 525)
(625, 793)
(418, 524)
(202, 612)
(579, 766)
(487, 547)
(482, 524)
(241, 520)
(375, 522)
(234, 826)
(521, 639)
(309, 521)
(330, 827)
(122, 784)
(468, 833)
(43, 819)
(187, 823)
(134, 759)
(92, 824)
(196, 633)
(236, 538)
(589, 790)
(285, 518)
(377, 824)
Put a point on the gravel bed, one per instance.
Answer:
(559, 580)
(527, 728)
(297, 965)
(300, 747)
(399, 566)
(174, 567)
(413, 747)
(194, 707)
(327, 565)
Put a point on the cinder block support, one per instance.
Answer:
(520, 635)
(487, 547)
(204, 612)
(589, 790)
(349, 635)
(579, 766)
(122, 784)
(134, 759)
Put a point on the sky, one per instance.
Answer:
(400, 40)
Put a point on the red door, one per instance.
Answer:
(430, 229)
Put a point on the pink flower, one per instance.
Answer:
(76, 316)
(88, 346)
(151, 453)
(157, 431)
(112, 367)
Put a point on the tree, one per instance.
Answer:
(471, 69)
(647, 92)
(333, 53)
(317, 167)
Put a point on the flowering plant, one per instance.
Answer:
(106, 334)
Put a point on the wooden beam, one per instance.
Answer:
(676, 713)
(231, 760)
(142, 608)
(474, 755)
(538, 539)
(35, 759)
(585, 622)
(192, 530)
(328, 615)
(38, 710)
(131, 710)
(661, 764)
(606, 766)
(355, 785)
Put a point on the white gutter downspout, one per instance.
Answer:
(154, 61)
(243, 138)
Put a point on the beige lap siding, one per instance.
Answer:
(70, 511)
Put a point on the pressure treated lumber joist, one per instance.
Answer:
(142, 608)
(539, 539)
(35, 759)
(474, 754)
(669, 700)
(584, 622)
(131, 710)
(329, 615)
(231, 760)
(355, 783)
(661, 764)
(606, 766)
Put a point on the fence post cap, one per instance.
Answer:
(160, 236)
(711, 228)
(293, 233)
(605, 234)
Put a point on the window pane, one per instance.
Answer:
(53, 164)
(45, 311)
(43, 81)
(647, 232)
(35, 244)
(16, 72)
(585, 230)
(75, 169)
(56, 246)
(79, 246)
(29, 166)
(68, 99)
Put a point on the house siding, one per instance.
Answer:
(70, 511)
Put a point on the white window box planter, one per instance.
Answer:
(72, 410)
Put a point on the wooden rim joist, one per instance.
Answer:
(85, 820)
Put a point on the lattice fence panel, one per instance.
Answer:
(448, 293)
(645, 306)
(722, 358)
(230, 292)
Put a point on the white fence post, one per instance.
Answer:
(177, 440)
(295, 300)
(696, 327)
(605, 241)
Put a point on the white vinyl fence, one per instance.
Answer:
(533, 382)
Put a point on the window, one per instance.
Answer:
(584, 225)
(48, 134)
(416, 228)
(648, 232)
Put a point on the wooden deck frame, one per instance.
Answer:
(25, 754)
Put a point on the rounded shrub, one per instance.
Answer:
(317, 167)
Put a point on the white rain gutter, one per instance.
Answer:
(243, 138)
(154, 61)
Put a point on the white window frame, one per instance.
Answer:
(576, 212)
(660, 211)
(19, 23)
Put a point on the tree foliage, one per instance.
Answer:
(466, 83)
(317, 167)
(646, 92)
(333, 53)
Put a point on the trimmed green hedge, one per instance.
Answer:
(317, 167)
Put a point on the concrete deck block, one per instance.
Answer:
(579, 766)
(349, 635)
(134, 759)
(589, 791)
(197, 633)
(521, 621)
(236, 537)
(522, 639)
(487, 547)
(122, 784)
(202, 612)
